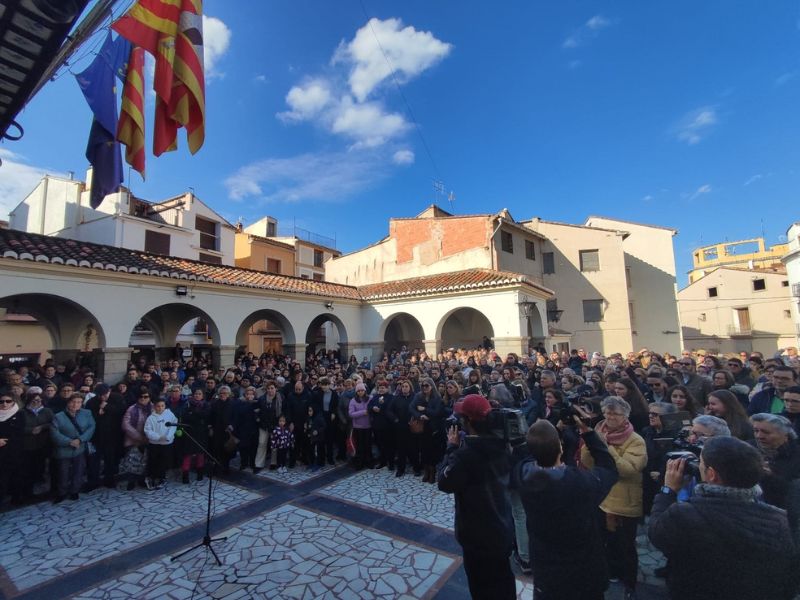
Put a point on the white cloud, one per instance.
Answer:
(586, 32)
(598, 22)
(403, 157)
(343, 101)
(216, 41)
(695, 125)
(17, 180)
(785, 78)
(754, 178)
(260, 79)
(408, 51)
(308, 177)
(367, 124)
(306, 101)
(703, 189)
(648, 198)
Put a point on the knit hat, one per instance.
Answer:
(101, 388)
(361, 386)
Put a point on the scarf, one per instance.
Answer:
(7, 413)
(710, 490)
(616, 438)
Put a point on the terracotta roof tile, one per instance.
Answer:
(29, 246)
(470, 279)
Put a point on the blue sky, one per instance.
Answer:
(681, 114)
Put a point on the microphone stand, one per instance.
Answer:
(207, 539)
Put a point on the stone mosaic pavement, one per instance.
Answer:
(407, 497)
(43, 541)
(291, 553)
(332, 533)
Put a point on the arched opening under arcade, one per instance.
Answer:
(402, 329)
(170, 330)
(265, 331)
(464, 328)
(34, 327)
(327, 333)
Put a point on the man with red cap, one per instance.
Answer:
(476, 470)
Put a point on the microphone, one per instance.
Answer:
(176, 424)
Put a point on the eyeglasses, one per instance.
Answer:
(144, 396)
(733, 365)
(791, 400)
(653, 415)
(6, 402)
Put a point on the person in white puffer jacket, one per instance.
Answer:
(159, 437)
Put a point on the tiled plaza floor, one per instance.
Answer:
(327, 534)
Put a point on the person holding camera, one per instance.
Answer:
(477, 470)
(723, 542)
(561, 502)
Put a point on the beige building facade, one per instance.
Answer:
(735, 310)
(599, 272)
(791, 260)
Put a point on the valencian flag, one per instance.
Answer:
(130, 130)
(172, 31)
(98, 84)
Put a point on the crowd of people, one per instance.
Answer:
(64, 431)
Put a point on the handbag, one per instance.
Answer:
(134, 462)
(231, 443)
(416, 425)
(90, 448)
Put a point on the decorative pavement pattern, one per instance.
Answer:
(43, 541)
(290, 553)
(407, 497)
(327, 534)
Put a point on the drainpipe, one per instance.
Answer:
(44, 205)
(491, 239)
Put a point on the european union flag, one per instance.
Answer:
(98, 84)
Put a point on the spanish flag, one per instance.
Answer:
(130, 130)
(172, 31)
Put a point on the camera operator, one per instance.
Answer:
(561, 503)
(722, 542)
(477, 472)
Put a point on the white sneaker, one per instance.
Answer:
(149, 483)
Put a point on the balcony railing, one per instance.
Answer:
(308, 236)
(740, 331)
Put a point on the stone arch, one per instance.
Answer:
(402, 329)
(166, 321)
(71, 326)
(283, 324)
(536, 329)
(313, 340)
(463, 327)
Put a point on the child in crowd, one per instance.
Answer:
(315, 438)
(282, 441)
(159, 438)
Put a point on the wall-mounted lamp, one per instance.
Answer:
(527, 307)
(181, 290)
(329, 305)
(702, 317)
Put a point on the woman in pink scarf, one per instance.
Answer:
(623, 505)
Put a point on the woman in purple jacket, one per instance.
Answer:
(362, 433)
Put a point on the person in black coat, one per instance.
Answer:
(221, 418)
(477, 472)
(326, 401)
(314, 429)
(776, 439)
(399, 415)
(562, 508)
(269, 407)
(12, 432)
(381, 421)
(244, 420)
(196, 417)
(36, 444)
(427, 407)
(295, 408)
(722, 542)
(107, 408)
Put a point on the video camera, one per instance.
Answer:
(568, 415)
(690, 452)
(507, 424)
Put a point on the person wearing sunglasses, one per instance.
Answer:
(12, 428)
(134, 462)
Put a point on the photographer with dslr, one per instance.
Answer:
(561, 501)
(723, 542)
(476, 470)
